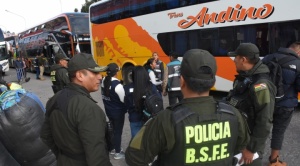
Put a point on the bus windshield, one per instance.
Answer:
(78, 24)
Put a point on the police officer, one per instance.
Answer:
(74, 126)
(173, 79)
(59, 74)
(254, 94)
(196, 131)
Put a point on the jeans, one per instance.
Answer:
(37, 70)
(173, 96)
(135, 128)
(281, 119)
(118, 124)
(19, 73)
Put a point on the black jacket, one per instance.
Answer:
(291, 77)
(77, 130)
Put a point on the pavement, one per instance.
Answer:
(290, 152)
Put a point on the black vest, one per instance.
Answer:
(241, 99)
(202, 140)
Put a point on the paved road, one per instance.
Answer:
(290, 152)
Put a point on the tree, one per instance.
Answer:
(85, 7)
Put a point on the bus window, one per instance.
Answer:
(193, 41)
(283, 34)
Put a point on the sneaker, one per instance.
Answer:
(120, 155)
(277, 162)
(112, 151)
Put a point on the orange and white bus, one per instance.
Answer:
(128, 31)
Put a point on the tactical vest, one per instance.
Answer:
(112, 102)
(241, 99)
(57, 85)
(158, 71)
(207, 140)
(174, 76)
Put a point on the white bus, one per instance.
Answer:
(4, 55)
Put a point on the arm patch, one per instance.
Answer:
(260, 86)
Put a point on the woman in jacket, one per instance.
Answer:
(113, 99)
(134, 101)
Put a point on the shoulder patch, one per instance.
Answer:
(259, 87)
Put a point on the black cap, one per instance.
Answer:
(60, 56)
(248, 50)
(84, 61)
(112, 69)
(192, 62)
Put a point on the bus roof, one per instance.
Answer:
(213, 14)
(68, 14)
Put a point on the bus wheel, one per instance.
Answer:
(127, 74)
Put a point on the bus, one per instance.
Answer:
(67, 33)
(4, 53)
(127, 32)
(12, 48)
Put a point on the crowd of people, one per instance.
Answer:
(194, 128)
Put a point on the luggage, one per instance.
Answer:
(21, 119)
(6, 158)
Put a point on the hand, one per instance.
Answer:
(247, 157)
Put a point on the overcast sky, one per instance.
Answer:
(25, 14)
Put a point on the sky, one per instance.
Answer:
(24, 14)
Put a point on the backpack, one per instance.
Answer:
(275, 66)
(153, 104)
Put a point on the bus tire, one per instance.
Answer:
(127, 74)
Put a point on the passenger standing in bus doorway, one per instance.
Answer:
(285, 107)
(36, 66)
(41, 60)
(254, 95)
(175, 136)
(172, 88)
(158, 70)
(150, 66)
(113, 98)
